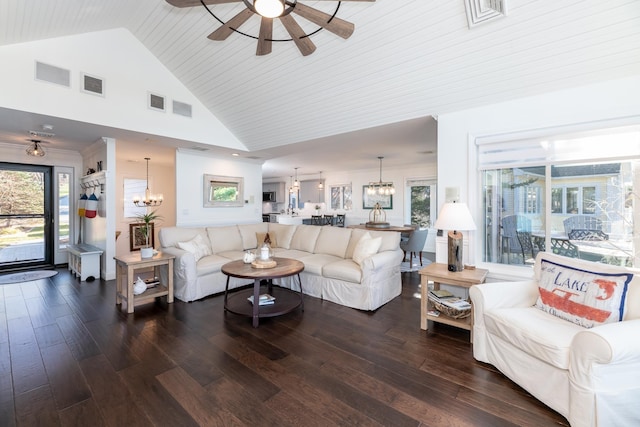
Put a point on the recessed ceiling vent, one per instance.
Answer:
(253, 157)
(481, 11)
(181, 109)
(156, 102)
(53, 74)
(35, 133)
(92, 84)
(199, 149)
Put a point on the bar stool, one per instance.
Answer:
(328, 220)
(340, 220)
(316, 219)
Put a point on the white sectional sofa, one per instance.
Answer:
(327, 252)
(565, 355)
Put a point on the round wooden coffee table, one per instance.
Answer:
(286, 300)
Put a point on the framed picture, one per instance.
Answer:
(136, 236)
(369, 200)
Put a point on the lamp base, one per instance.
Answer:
(455, 251)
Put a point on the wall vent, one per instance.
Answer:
(92, 84)
(53, 74)
(181, 109)
(481, 11)
(156, 102)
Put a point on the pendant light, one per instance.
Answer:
(320, 184)
(381, 188)
(149, 199)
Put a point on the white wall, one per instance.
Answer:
(190, 169)
(129, 71)
(615, 101)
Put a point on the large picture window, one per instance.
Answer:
(574, 195)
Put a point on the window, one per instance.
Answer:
(421, 205)
(589, 179)
(341, 197)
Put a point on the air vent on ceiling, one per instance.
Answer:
(253, 157)
(53, 74)
(92, 84)
(156, 102)
(181, 109)
(38, 134)
(481, 11)
(199, 149)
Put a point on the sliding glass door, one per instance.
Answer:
(25, 216)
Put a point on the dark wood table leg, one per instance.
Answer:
(226, 291)
(256, 302)
(301, 294)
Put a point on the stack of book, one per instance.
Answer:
(264, 299)
(447, 299)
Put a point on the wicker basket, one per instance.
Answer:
(449, 311)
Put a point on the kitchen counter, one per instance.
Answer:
(292, 219)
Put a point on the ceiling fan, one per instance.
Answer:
(268, 10)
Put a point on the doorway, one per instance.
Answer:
(26, 234)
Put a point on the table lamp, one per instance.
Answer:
(455, 217)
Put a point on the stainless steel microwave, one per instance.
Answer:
(269, 196)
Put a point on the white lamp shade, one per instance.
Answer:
(455, 216)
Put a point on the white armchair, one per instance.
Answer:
(590, 376)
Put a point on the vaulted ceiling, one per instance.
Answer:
(406, 61)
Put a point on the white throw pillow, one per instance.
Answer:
(366, 247)
(197, 246)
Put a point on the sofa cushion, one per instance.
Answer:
(534, 332)
(248, 233)
(345, 269)
(632, 300)
(585, 296)
(390, 240)
(315, 263)
(210, 264)
(170, 236)
(366, 247)
(225, 238)
(261, 236)
(305, 237)
(283, 233)
(197, 246)
(333, 241)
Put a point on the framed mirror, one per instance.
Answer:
(223, 191)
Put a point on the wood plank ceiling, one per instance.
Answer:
(406, 59)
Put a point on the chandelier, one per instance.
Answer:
(35, 150)
(381, 188)
(149, 199)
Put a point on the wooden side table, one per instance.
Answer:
(439, 273)
(126, 265)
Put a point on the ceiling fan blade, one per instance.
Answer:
(192, 3)
(234, 23)
(305, 45)
(371, 1)
(337, 26)
(264, 38)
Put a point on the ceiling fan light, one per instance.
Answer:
(269, 8)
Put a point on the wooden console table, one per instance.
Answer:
(439, 273)
(126, 265)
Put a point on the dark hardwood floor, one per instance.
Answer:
(69, 356)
